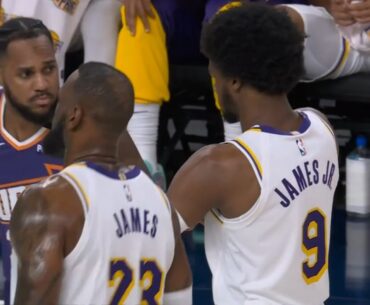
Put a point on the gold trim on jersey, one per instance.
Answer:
(334, 73)
(256, 163)
(79, 188)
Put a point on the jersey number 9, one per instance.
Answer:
(314, 246)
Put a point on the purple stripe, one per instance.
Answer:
(306, 123)
(132, 173)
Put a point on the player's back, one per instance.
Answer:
(127, 243)
(277, 252)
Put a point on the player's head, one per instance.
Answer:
(252, 46)
(95, 105)
(28, 69)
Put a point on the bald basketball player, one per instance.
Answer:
(265, 197)
(97, 233)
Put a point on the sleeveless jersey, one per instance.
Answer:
(277, 252)
(21, 164)
(127, 242)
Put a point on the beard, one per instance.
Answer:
(229, 113)
(40, 119)
(53, 143)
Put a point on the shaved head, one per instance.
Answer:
(95, 105)
(106, 94)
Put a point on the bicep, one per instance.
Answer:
(38, 244)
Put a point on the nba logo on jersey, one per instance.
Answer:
(301, 147)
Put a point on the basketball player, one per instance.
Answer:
(29, 77)
(96, 20)
(266, 197)
(97, 233)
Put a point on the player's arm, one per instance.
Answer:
(128, 153)
(198, 186)
(178, 286)
(37, 237)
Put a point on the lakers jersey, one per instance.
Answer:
(21, 164)
(127, 243)
(277, 252)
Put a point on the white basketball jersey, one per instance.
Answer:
(277, 252)
(127, 242)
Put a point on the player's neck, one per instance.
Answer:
(274, 111)
(102, 155)
(17, 126)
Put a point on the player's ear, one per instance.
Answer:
(75, 117)
(236, 84)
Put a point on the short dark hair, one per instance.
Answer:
(108, 91)
(19, 29)
(257, 44)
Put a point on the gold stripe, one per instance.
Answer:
(347, 49)
(257, 129)
(80, 188)
(252, 154)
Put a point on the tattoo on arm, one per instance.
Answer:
(37, 239)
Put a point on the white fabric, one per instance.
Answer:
(183, 224)
(358, 36)
(232, 130)
(112, 233)
(257, 258)
(99, 29)
(325, 47)
(143, 128)
(179, 297)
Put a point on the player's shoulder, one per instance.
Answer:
(53, 193)
(215, 162)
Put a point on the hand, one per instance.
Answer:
(137, 8)
(360, 11)
(340, 11)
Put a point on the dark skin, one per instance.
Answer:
(128, 154)
(30, 71)
(48, 218)
(220, 165)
